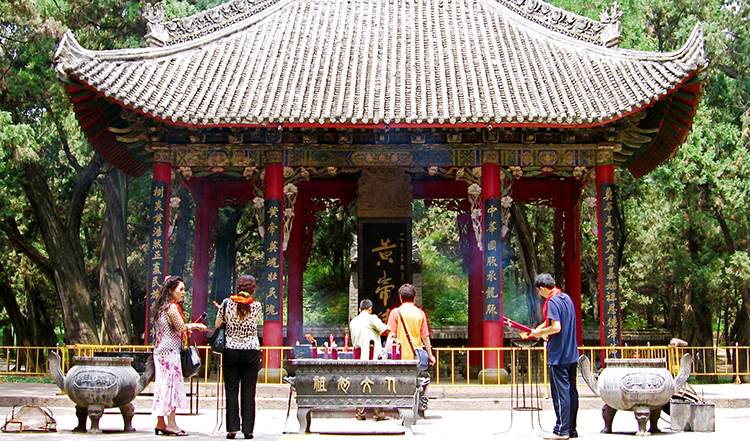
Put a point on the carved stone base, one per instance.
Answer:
(494, 376)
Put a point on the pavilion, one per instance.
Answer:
(286, 103)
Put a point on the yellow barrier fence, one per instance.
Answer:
(454, 367)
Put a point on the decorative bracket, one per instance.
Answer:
(473, 176)
(291, 177)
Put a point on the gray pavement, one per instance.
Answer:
(485, 414)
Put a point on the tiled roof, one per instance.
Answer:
(502, 62)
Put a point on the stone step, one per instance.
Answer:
(276, 396)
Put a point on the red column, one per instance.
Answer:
(205, 211)
(473, 259)
(158, 239)
(476, 292)
(273, 329)
(296, 266)
(572, 243)
(492, 263)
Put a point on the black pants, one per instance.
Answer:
(240, 378)
(562, 379)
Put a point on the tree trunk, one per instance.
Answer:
(42, 327)
(226, 252)
(9, 302)
(740, 334)
(35, 327)
(697, 319)
(181, 246)
(117, 326)
(63, 248)
(529, 261)
(557, 245)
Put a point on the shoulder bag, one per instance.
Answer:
(219, 337)
(421, 355)
(191, 360)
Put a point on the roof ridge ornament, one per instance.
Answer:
(157, 35)
(212, 20)
(611, 18)
(558, 19)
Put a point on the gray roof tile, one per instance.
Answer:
(373, 62)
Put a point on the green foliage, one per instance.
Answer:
(686, 255)
(326, 278)
(687, 223)
(325, 302)
(445, 285)
(46, 379)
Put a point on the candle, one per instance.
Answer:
(346, 343)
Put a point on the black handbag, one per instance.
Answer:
(218, 339)
(191, 361)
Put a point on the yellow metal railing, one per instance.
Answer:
(32, 361)
(27, 360)
(455, 366)
(465, 366)
(488, 366)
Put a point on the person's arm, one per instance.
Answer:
(175, 318)
(542, 331)
(428, 348)
(392, 323)
(424, 332)
(219, 316)
(178, 322)
(380, 327)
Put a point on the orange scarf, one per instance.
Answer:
(242, 297)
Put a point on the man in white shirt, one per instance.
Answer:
(366, 330)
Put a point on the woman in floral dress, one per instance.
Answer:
(169, 327)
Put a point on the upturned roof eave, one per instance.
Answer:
(689, 61)
(384, 124)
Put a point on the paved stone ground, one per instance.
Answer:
(484, 417)
(271, 425)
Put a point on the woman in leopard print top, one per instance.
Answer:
(241, 360)
(169, 327)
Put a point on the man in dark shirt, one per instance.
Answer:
(559, 328)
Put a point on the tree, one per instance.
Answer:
(48, 165)
(113, 267)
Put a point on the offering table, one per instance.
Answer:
(343, 385)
